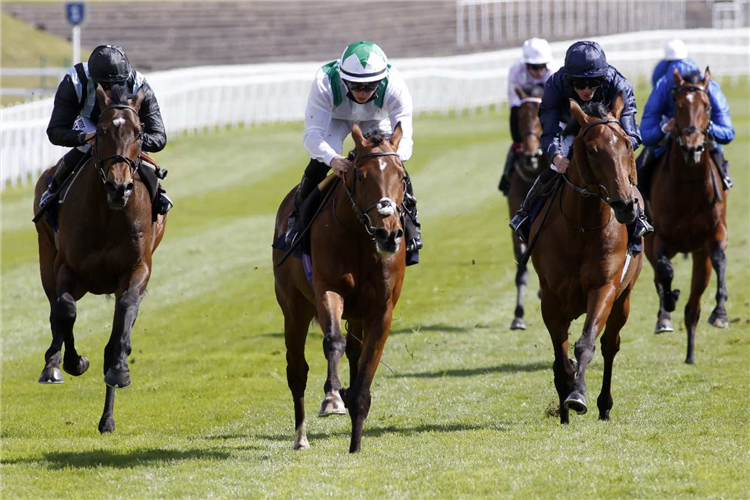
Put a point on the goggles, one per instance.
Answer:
(535, 67)
(583, 83)
(362, 86)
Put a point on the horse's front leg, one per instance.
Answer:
(357, 397)
(117, 350)
(65, 313)
(663, 276)
(718, 316)
(522, 277)
(610, 347)
(330, 309)
(599, 305)
(564, 370)
(699, 283)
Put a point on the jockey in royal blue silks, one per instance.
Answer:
(586, 77)
(658, 122)
(674, 50)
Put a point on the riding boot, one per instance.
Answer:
(314, 174)
(641, 225)
(536, 189)
(412, 227)
(510, 165)
(65, 167)
(717, 155)
(644, 164)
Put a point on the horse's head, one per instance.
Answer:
(117, 145)
(692, 113)
(604, 157)
(530, 127)
(376, 186)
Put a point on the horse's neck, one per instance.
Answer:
(583, 211)
(345, 215)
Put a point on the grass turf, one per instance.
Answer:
(467, 409)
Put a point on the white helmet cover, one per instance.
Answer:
(674, 50)
(363, 62)
(537, 51)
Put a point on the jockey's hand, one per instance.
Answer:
(89, 137)
(668, 127)
(561, 163)
(340, 166)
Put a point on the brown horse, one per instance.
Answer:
(689, 211)
(527, 169)
(581, 254)
(104, 245)
(358, 263)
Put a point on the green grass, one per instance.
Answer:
(466, 412)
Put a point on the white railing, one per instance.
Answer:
(197, 99)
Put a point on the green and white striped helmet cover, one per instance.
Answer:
(363, 62)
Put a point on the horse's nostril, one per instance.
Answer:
(110, 187)
(381, 234)
(399, 233)
(129, 188)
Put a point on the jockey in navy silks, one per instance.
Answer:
(586, 77)
(658, 122)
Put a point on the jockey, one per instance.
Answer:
(76, 112)
(585, 77)
(360, 87)
(532, 69)
(674, 50)
(658, 122)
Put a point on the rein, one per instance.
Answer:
(99, 162)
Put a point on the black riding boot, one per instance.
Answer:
(65, 167)
(641, 225)
(644, 164)
(510, 165)
(536, 189)
(314, 174)
(718, 157)
(412, 227)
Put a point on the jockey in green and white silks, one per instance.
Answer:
(360, 87)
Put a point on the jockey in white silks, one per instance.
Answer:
(362, 88)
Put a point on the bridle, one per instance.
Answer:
(686, 151)
(99, 163)
(533, 158)
(603, 194)
(382, 205)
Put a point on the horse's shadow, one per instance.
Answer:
(471, 372)
(107, 458)
(439, 327)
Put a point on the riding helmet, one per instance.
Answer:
(109, 64)
(363, 62)
(585, 60)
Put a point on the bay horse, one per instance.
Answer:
(358, 264)
(581, 255)
(104, 245)
(689, 210)
(532, 163)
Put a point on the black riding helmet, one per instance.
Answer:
(109, 64)
(585, 60)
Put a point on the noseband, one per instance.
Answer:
(691, 129)
(382, 206)
(99, 162)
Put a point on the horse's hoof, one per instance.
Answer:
(718, 320)
(577, 403)
(689, 360)
(106, 424)
(118, 379)
(79, 369)
(300, 438)
(51, 375)
(518, 324)
(663, 326)
(332, 405)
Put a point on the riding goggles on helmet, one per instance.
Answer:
(359, 87)
(582, 83)
(535, 67)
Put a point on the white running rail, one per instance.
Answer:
(193, 100)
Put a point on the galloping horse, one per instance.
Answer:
(358, 263)
(581, 254)
(104, 245)
(533, 162)
(689, 211)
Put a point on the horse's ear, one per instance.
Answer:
(396, 136)
(677, 78)
(359, 139)
(520, 93)
(706, 77)
(618, 105)
(101, 97)
(578, 114)
(138, 99)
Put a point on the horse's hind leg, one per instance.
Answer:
(64, 312)
(330, 310)
(522, 277)
(563, 368)
(610, 347)
(297, 316)
(699, 283)
(718, 316)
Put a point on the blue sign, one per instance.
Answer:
(75, 12)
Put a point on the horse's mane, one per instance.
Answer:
(596, 109)
(120, 94)
(377, 136)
